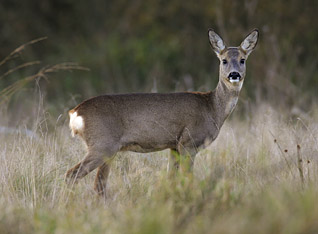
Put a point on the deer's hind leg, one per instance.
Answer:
(101, 179)
(95, 157)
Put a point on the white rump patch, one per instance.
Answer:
(76, 123)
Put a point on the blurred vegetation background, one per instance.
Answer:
(158, 45)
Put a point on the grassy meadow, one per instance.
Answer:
(259, 176)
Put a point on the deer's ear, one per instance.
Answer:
(216, 42)
(250, 41)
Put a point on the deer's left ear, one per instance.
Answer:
(250, 42)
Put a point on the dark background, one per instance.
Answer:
(142, 46)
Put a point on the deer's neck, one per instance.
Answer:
(224, 100)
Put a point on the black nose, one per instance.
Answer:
(234, 76)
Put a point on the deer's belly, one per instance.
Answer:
(146, 148)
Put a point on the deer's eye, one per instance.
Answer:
(242, 61)
(224, 61)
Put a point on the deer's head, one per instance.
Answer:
(233, 59)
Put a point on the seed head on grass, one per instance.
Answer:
(6, 93)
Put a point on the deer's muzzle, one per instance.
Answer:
(234, 77)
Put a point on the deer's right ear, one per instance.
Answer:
(216, 42)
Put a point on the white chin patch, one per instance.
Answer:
(234, 81)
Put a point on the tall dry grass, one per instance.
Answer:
(259, 176)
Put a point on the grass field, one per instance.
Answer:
(259, 176)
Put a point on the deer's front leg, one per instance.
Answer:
(187, 159)
(174, 162)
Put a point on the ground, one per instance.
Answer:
(259, 176)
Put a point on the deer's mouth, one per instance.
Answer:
(234, 77)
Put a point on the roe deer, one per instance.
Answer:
(146, 122)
